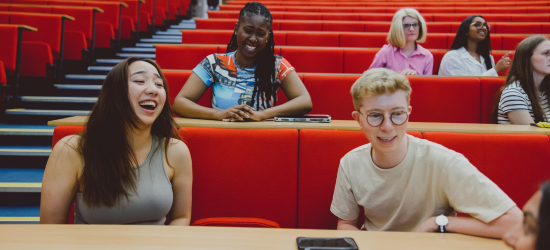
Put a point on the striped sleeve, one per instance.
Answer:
(513, 99)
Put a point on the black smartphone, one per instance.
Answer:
(308, 243)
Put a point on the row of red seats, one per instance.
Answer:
(344, 39)
(9, 52)
(383, 9)
(398, 3)
(387, 17)
(330, 95)
(293, 184)
(342, 60)
(374, 26)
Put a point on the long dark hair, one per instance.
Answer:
(105, 144)
(264, 74)
(522, 72)
(543, 241)
(483, 47)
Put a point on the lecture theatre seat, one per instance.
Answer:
(176, 80)
(490, 89)
(328, 60)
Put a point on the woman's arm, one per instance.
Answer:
(521, 117)
(299, 101)
(59, 184)
(185, 104)
(182, 182)
(346, 224)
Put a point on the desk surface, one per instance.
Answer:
(72, 237)
(340, 125)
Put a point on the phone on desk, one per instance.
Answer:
(303, 118)
(308, 243)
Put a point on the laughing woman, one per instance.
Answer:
(127, 167)
(246, 79)
(470, 54)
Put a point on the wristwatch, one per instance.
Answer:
(442, 222)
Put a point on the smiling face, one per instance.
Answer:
(146, 92)
(524, 235)
(477, 34)
(252, 36)
(540, 61)
(388, 137)
(411, 34)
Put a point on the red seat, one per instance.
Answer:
(319, 60)
(36, 57)
(438, 56)
(358, 60)
(436, 41)
(516, 163)
(331, 95)
(353, 26)
(490, 87)
(269, 191)
(3, 79)
(75, 43)
(364, 40)
(435, 99)
(301, 25)
(377, 26)
(216, 24)
(517, 28)
(176, 80)
(439, 28)
(236, 222)
(182, 57)
(320, 154)
(510, 42)
(301, 16)
(530, 18)
(206, 36)
(339, 17)
(324, 39)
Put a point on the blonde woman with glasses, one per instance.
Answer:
(403, 54)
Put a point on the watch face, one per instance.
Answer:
(441, 220)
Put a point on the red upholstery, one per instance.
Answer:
(83, 19)
(353, 26)
(358, 60)
(3, 79)
(331, 95)
(269, 191)
(111, 11)
(516, 163)
(497, 55)
(438, 56)
(75, 42)
(517, 28)
(176, 80)
(175, 57)
(377, 26)
(35, 57)
(490, 87)
(445, 99)
(325, 39)
(320, 154)
(48, 25)
(207, 36)
(61, 131)
(436, 41)
(144, 20)
(104, 34)
(236, 222)
(8, 43)
(318, 61)
(127, 27)
(4, 17)
(364, 40)
(221, 24)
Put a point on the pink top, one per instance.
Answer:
(391, 57)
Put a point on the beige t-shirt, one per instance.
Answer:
(430, 181)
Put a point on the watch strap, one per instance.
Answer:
(442, 229)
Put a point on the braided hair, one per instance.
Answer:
(264, 74)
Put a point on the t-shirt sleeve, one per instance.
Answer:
(343, 204)
(204, 71)
(451, 65)
(512, 100)
(284, 69)
(471, 192)
(379, 60)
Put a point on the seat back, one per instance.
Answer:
(182, 57)
(319, 60)
(490, 88)
(331, 95)
(176, 80)
(8, 43)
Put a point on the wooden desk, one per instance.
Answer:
(70, 237)
(474, 128)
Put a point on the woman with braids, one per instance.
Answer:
(524, 98)
(127, 167)
(470, 54)
(533, 233)
(246, 79)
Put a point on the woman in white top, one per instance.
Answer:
(470, 54)
(524, 99)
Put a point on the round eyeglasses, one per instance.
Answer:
(407, 26)
(480, 25)
(376, 119)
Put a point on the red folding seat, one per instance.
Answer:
(175, 81)
(517, 28)
(75, 43)
(364, 40)
(515, 10)
(286, 25)
(301, 16)
(377, 27)
(259, 185)
(510, 42)
(537, 18)
(358, 60)
(519, 174)
(438, 56)
(3, 80)
(324, 39)
(376, 17)
(438, 27)
(182, 57)
(36, 58)
(490, 87)
(435, 41)
(4, 8)
(206, 36)
(343, 26)
(279, 37)
(331, 94)
(437, 10)
(8, 43)
(127, 26)
(540, 9)
(445, 99)
(216, 24)
(48, 25)
(370, 10)
(545, 28)
(318, 60)
(320, 154)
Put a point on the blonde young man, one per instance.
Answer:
(405, 183)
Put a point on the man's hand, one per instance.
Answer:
(428, 226)
(408, 72)
(237, 113)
